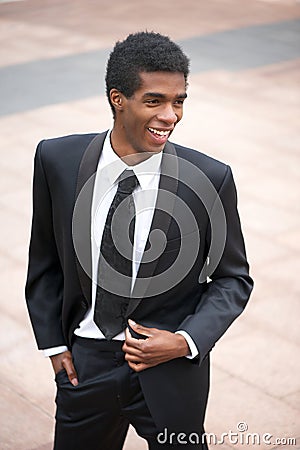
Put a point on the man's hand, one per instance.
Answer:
(64, 361)
(159, 346)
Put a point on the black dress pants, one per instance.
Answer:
(95, 415)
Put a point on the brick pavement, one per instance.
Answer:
(243, 108)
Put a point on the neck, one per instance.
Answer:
(129, 155)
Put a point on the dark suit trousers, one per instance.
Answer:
(95, 415)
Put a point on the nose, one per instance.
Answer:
(167, 114)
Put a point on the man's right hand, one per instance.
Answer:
(63, 361)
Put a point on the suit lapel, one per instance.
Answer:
(161, 221)
(82, 213)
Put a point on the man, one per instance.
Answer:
(137, 263)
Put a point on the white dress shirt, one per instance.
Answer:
(109, 168)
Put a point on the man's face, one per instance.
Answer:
(145, 121)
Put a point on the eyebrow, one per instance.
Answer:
(160, 95)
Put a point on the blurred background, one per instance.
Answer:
(243, 107)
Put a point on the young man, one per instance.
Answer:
(137, 263)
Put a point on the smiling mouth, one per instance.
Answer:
(159, 132)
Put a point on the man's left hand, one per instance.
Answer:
(158, 347)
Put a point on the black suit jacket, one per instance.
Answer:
(196, 211)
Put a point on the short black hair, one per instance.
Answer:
(142, 52)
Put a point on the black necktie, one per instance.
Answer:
(117, 241)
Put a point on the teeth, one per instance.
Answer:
(161, 133)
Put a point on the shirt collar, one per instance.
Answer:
(145, 171)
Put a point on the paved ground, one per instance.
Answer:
(243, 108)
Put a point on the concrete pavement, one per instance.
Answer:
(243, 108)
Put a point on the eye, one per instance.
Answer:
(152, 102)
(179, 102)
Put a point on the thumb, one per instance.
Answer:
(140, 329)
(71, 372)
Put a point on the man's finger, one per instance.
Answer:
(71, 372)
(132, 358)
(131, 345)
(140, 329)
(137, 367)
(131, 341)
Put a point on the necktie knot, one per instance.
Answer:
(128, 182)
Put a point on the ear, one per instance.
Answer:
(117, 99)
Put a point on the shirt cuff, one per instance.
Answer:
(54, 350)
(192, 346)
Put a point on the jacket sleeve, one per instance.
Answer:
(44, 285)
(229, 289)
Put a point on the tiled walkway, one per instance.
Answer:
(243, 108)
